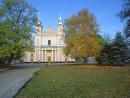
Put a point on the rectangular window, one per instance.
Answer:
(49, 42)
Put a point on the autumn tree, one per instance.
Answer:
(82, 39)
(17, 19)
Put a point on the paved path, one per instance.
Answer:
(11, 81)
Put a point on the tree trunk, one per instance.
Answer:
(9, 62)
(2, 63)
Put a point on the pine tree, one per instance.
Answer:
(125, 17)
(115, 53)
(106, 55)
(120, 49)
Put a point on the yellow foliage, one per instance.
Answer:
(81, 40)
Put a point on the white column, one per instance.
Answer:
(62, 56)
(58, 54)
(41, 55)
(35, 56)
(52, 56)
(45, 56)
(55, 56)
(28, 60)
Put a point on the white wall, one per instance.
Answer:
(46, 38)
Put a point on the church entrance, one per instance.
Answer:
(49, 59)
(49, 55)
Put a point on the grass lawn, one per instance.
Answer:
(79, 81)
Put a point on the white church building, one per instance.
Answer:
(48, 45)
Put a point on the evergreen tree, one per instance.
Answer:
(125, 17)
(103, 57)
(120, 49)
(115, 53)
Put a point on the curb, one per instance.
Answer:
(5, 70)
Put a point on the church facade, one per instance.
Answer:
(48, 45)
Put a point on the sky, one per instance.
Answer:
(105, 11)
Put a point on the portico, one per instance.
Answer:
(49, 54)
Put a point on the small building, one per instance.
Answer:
(48, 45)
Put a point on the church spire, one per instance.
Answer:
(60, 25)
(60, 21)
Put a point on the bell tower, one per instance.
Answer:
(60, 26)
(38, 28)
(60, 32)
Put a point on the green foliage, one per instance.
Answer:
(82, 39)
(125, 16)
(121, 49)
(103, 57)
(17, 19)
(128, 56)
(115, 52)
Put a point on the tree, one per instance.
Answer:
(121, 49)
(125, 16)
(107, 38)
(105, 54)
(82, 39)
(115, 52)
(17, 19)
